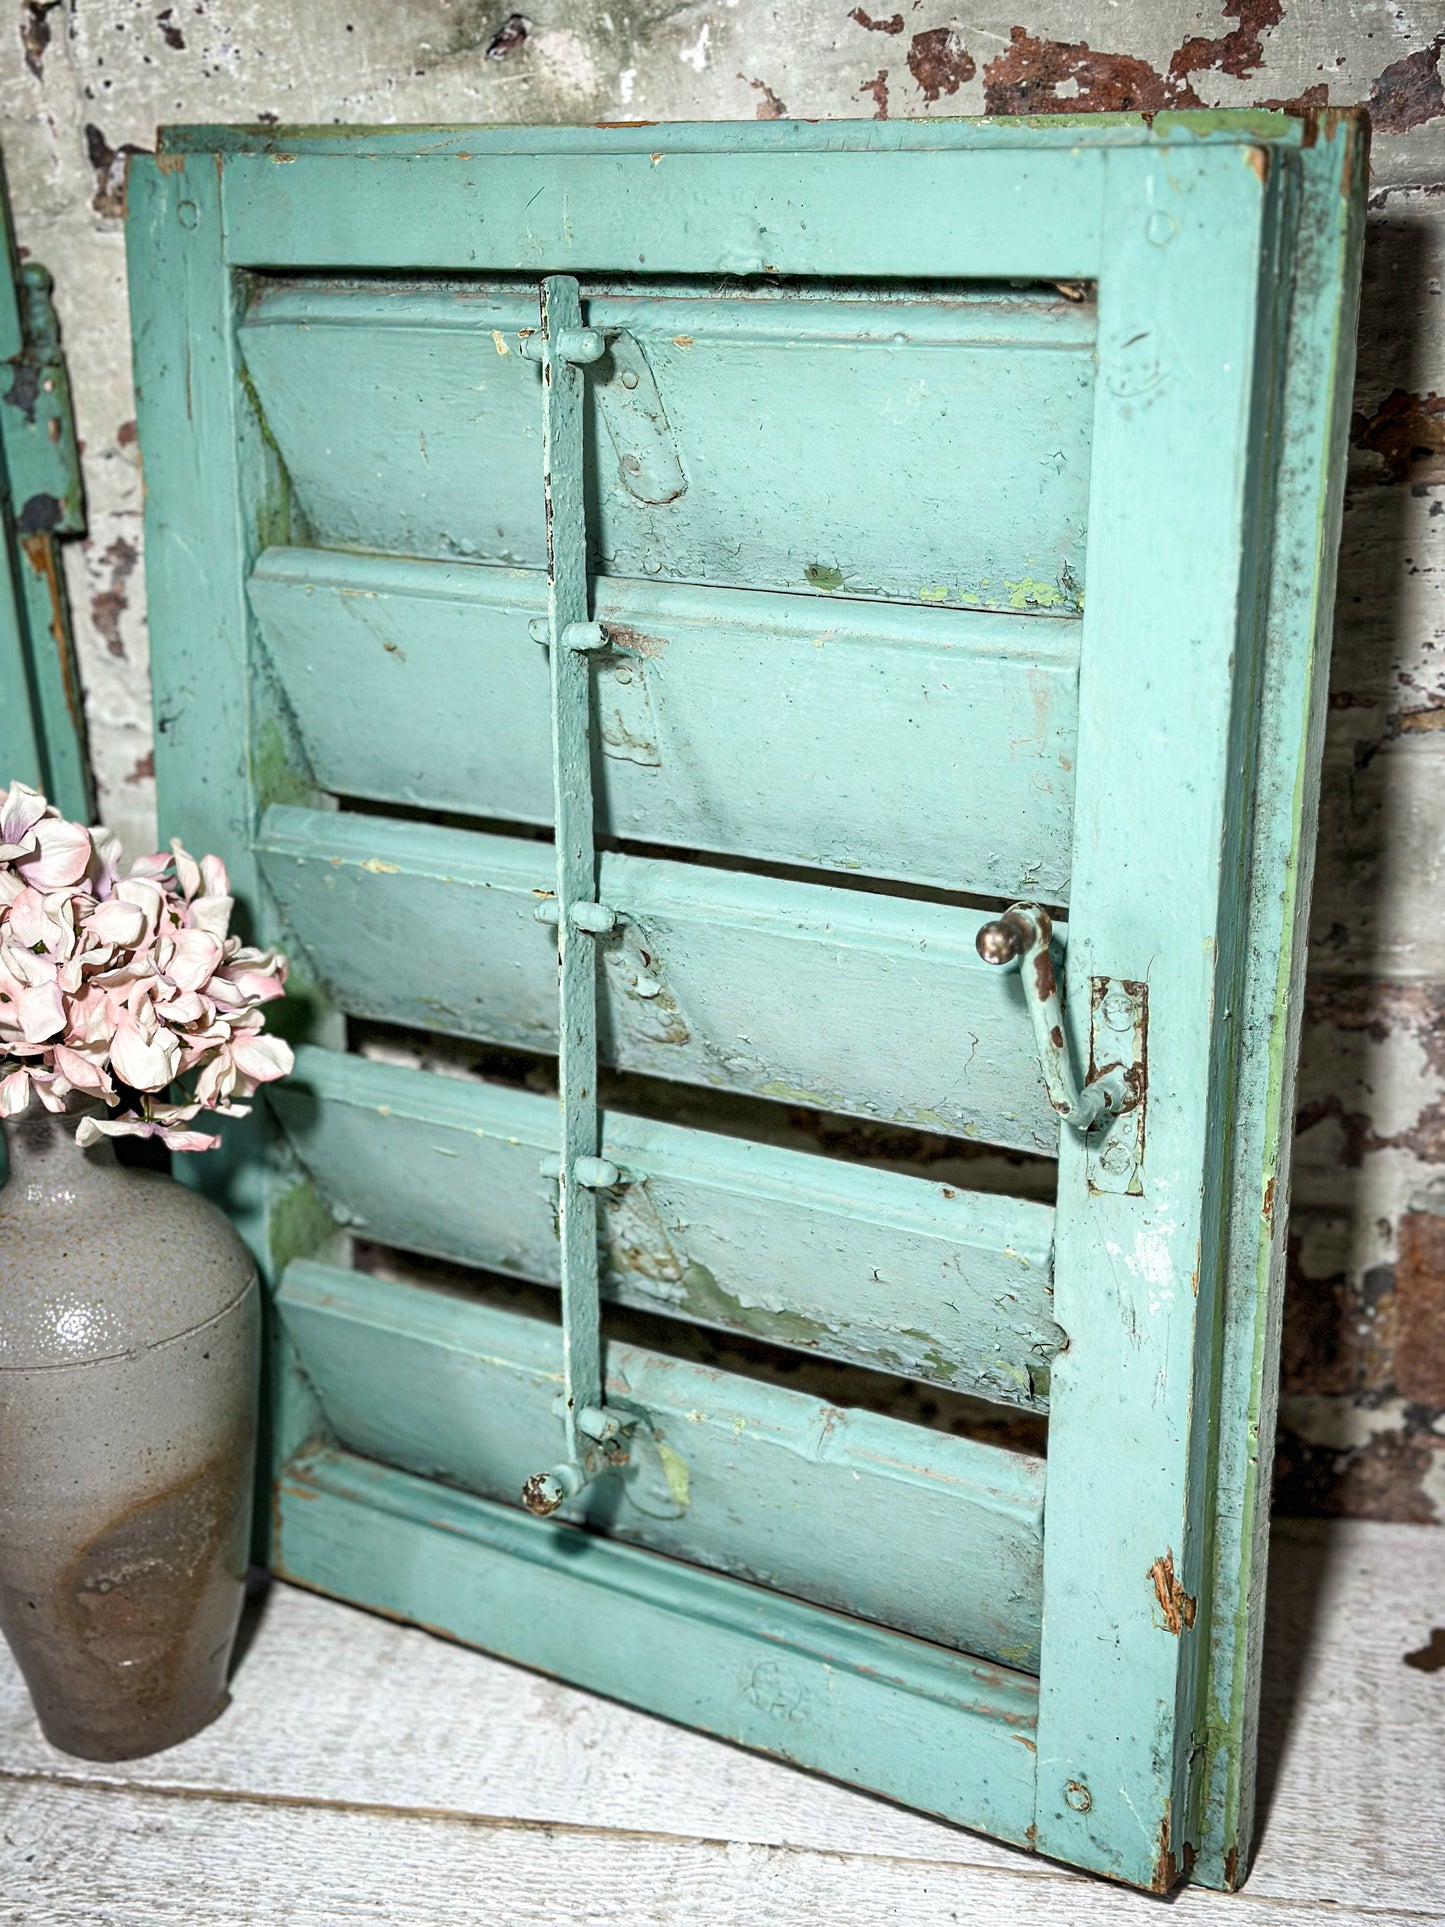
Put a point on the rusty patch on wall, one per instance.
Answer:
(109, 164)
(877, 91)
(1409, 92)
(1420, 1308)
(107, 606)
(35, 33)
(1037, 76)
(1384, 1478)
(1380, 1011)
(893, 24)
(769, 107)
(939, 62)
(1408, 432)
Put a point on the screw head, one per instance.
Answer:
(1115, 1157)
(1078, 1796)
(1119, 1010)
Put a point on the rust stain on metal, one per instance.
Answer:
(1258, 159)
(634, 640)
(1267, 1209)
(1408, 432)
(1231, 1868)
(1410, 91)
(1044, 977)
(40, 553)
(893, 24)
(939, 62)
(1175, 1603)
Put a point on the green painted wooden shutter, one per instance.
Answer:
(42, 725)
(869, 527)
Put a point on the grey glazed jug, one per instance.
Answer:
(129, 1358)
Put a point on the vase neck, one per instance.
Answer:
(45, 1160)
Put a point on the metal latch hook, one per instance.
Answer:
(1023, 936)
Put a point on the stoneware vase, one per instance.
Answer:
(129, 1357)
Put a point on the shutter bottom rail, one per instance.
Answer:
(937, 1730)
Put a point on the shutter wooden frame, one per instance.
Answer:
(1225, 249)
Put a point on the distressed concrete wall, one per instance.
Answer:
(84, 82)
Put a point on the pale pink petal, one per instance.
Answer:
(14, 1093)
(28, 967)
(148, 896)
(187, 1140)
(40, 1012)
(91, 1129)
(216, 1081)
(82, 1071)
(187, 1008)
(116, 921)
(53, 1092)
(146, 1064)
(61, 855)
(21, 810)
(262, 1058)
(212, 913)
(215, 882)
(188, 871)
(194, 955)
(27, 920)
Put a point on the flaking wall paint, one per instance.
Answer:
(84, 82)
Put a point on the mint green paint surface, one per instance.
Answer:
(1131, 635)
(997, 390)
(886, 1270)
(817, 1688)
(971, 715)
(438, 1385)
(735, 981)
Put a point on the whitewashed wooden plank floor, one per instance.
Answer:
(368, 1772)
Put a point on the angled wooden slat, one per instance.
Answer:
(947, 1286)
(418, 682)
(954, 435)
(942, 1537)
(838, 999)
(792, 1679)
